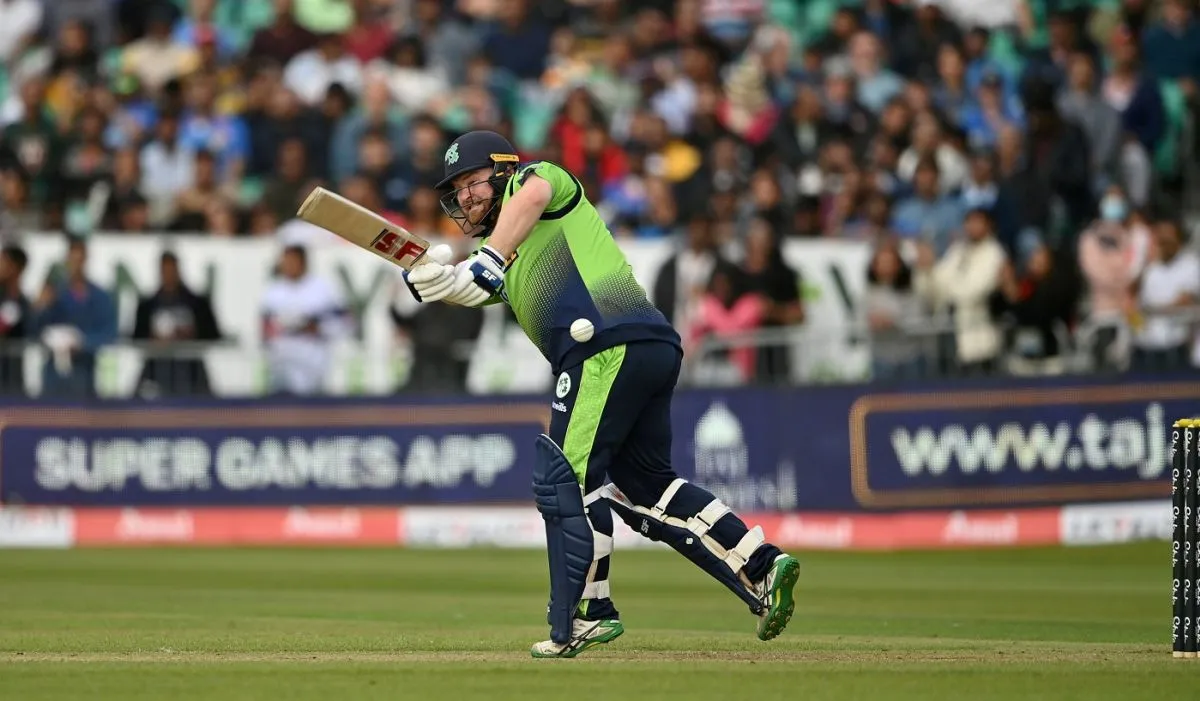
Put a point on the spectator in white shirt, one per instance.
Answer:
(1168, 299)
(302, 313)
(991, 14)
(961, 283)
(157, 58)
(929, 140)
(19, 22)
(168, 169)
(311, 72)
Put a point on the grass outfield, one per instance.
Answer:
(356, 625)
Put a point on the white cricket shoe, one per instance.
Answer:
(584, 634)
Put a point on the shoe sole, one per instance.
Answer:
(608, 636)
(783, 604)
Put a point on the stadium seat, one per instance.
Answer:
(250, 190)
(818, 14)
(787, 14)
(1166, 156)
(531, 123)
(1041, 17)
(1041, 14)
(1003, 49)
(245, 17)
(240, 18)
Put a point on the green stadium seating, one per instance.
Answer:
(250, 190)
(1166, 156)
(1003, 49)
(241, 18)
(788, 14)
(817, 15)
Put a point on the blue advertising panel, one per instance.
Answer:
(942, 447)
(831, 448)
(259, 457)
(1040, 445)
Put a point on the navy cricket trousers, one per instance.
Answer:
(611, 415)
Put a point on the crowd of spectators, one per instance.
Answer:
(1021, 168)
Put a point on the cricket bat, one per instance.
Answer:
(366, 229)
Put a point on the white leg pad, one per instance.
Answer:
(602, 545)
(660, 509)
(708, 517)
(736, 558)
(597, 590)
(605, 492)
(740, 554)
(699, 524)
(591, 575)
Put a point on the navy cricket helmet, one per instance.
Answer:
(477, 150)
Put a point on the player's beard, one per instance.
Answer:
(476, 211)
(476, 214)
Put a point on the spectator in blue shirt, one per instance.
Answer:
(1172, 46)
(204, 129)
(1065, 37)
(928, 215)
(186, 29)
(991, 111)
(1133, 92)
(133, 117)
(952, 95)
(75, 318)
(518, 43)
(980, 64)
(876, 83)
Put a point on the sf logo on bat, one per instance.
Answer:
(390, 244)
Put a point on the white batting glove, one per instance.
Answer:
(478, 278)
(433, 280)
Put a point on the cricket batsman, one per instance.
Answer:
(546, 252)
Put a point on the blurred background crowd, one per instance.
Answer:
(1023, 171)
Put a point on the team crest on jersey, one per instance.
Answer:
(564, 385)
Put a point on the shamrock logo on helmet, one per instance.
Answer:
(452, 155)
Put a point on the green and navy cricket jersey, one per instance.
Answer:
(571, 268)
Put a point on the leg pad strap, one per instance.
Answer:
(690, 536)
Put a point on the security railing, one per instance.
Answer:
(799, 355)
(126, 368)
(929, 349)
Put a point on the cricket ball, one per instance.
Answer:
(582, 330)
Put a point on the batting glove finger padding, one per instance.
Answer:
(431, 281)
(478, 278)
(465, 290)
